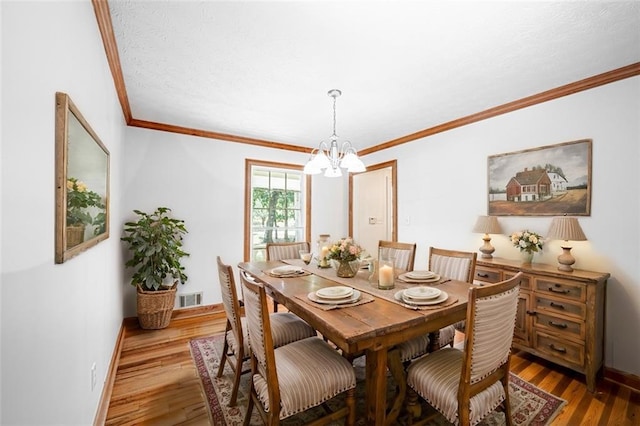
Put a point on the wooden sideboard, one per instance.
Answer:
(560, 314)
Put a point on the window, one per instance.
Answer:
(277, 206)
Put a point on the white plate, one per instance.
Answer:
(420, 274)
(336, 292)
(351, 299)
(287, 270)
(404, 277)
(443, 297)
(422, 293)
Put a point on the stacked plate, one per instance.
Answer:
(286, 271)
(422, 295)
(419, 277)
(336, 295)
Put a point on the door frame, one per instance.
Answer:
(394, 194)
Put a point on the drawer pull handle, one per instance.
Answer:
(558, 324)
(561, 350)
(553, 290)
(556, 305)
(532, 313)
(482, 275)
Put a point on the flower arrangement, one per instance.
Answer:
(79, 198)
(345, 250)
(527, 241)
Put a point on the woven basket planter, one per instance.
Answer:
(75, 235)
(155, 307)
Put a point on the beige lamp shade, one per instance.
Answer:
(487, 225)
(568, 229)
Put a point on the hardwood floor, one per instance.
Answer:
(156, 382)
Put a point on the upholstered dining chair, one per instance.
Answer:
(466, 385)
(293, 378)
(456, 265)
(279, 251)
(404, 254)
(286, 327)
(288, 250)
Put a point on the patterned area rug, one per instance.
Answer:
(530, 405)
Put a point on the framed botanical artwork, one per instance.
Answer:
(551, 180)
(82, 183)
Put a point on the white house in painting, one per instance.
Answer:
(558, 183)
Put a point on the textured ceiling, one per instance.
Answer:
(262, 69)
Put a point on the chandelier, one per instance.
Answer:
(329, 157)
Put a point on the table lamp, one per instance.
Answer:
(487, 225)
(567, 229)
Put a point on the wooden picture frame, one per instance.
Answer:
(551, 180)
(82, 183)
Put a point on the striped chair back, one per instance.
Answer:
(279, 251)
(491, 317)
(404, 254)
(230, 300)
(258, 324)
(457, 265)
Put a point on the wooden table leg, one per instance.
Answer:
(376, 386)
(397, 371)
(434, 341)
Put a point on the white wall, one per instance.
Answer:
(202, 181)
(56, 320)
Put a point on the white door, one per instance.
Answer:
(372, 208)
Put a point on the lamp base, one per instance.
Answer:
(486, 249)
(565, 260)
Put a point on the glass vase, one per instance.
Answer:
(346, 268)
(386, 273)
(323, 250)
(527, 256)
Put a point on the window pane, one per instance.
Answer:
(277, 202)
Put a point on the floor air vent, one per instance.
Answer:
(192, 299)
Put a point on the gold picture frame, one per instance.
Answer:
(82, 183)
(552, 180)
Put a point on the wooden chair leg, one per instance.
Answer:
(507, 402)
(414, 410)
(236, 380)
(247, 417)
(223, 359)
(351, 405)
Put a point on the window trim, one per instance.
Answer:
(248, 164)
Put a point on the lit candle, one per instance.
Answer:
(385, 276)
(324, 252)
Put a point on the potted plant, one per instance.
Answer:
(155, 242)
(80, 200)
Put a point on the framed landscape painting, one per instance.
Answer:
(551, 180)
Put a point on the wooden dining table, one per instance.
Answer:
(373, 326)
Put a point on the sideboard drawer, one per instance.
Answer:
(487, 275)
(560, 326)
(561, 288)
(559, 306)
(559, 348)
